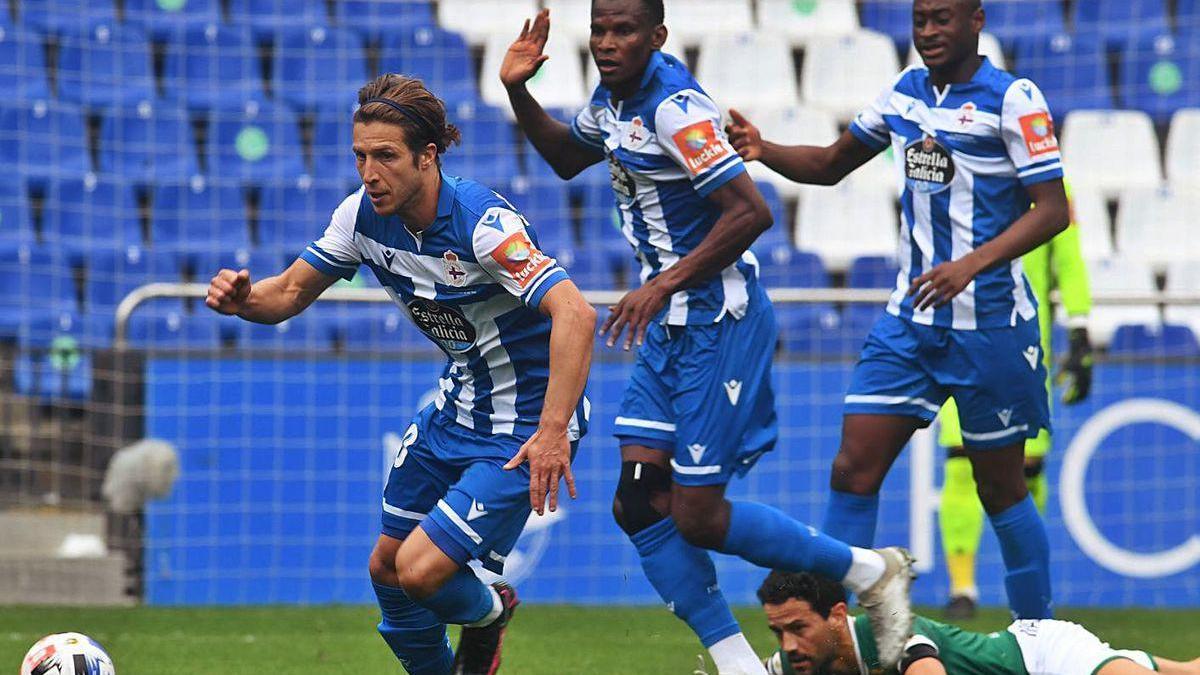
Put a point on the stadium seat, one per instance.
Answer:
(843, 222)
(1159, 76)
(571, 18)
(1095, 227)
(799, 22)
(59, 16)
(480, 20)
(1093, 160)
(256, 142)
(23, 73)
(989, 46)
(546, 208)
(1183, 150)
(891, 18)
(600, 226)
(873, 271)
(105, 65)
(1157, 226)
(316, 65)
(813, 331)
(43, 139)
(440, 58)
(488, 150)
(1165, 341)
(111, 274)
(169, 325)
(379, 329)
(1072, 72)
(558, 84)
(16, 219)
(589, 267)
(844, 74)
(1120, 22)
(790, 125)
(332, 143)
(1183, 278)
(294, 213)
(148, 142)
(704, 20)
(1187, 16)
(162, 19)
(265, 17)
(80, 216)
(194, 217)
(52, 367)
(371, 18)
(748, 69)
(213, 65)
(1119, 276)
(312, 329)
(37, 291)
(1016, 21)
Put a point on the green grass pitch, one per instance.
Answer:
(543, 640)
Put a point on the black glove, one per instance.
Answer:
(1075, 371)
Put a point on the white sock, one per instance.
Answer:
(497, 607)
(734, 656)
(867, 568)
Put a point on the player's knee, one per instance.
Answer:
(643, 496)
(417, 581)
(382, 567)
(998, 495)
(849, 474)
(701, 516)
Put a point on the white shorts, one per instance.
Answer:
(1063, 648)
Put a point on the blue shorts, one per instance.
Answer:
(996, 375)
(468, 505)
(703, 393)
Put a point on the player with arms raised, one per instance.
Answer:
(699, 408)
(465, 266)
(975, 146)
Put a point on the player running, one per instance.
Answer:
(817, 636)
(465, 267)
(1056, 264)
(699, 408)
(975, 146)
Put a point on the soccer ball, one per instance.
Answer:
(67, 654)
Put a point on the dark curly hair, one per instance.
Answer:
(819, 592)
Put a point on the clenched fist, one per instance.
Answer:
(228, 291)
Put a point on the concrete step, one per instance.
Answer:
(57, 581)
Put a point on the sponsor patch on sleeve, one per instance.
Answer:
(1038, 130)
(700, 146)
(520, 258)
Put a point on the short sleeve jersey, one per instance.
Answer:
(472, 283)
(667, 152)
(965, 155)
(961, 652)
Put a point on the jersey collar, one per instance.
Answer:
(446, 194)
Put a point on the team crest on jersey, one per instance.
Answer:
(456, 274)
(700, 146)
(1038, 131)
(443, 324)
(966, 114)
(928, 166)
(521, 258)
(637, 136)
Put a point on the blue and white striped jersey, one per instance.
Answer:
(964, 155)
(666, 152)
(471, 282)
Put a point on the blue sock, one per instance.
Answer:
(770, 538)
(463, 599)
(851, 518)
(686, 580)
(1026, 551)
(415, 635)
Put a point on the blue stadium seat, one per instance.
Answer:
(110, 275)
(58, 16)
(872, 272)
(311, 329)
(893, 19)
(43, 139)
(104, 65)
(812, 330)
(780, 226)
(1071, 72)
(1159, 76)
(1187, 17)
(590, 268)
(195, 217)
(440, 58)
(260, 263)
(546, 208)
(16, 220)
(37, 291)
(167, 324)
(315, 65)
(256, 142)
(267, 16)
(333, 138)
(53, 370)
(212, 65)
(1154, 341)
(1017, 21)
(488, 153)
(148, 142)
(600, 226)
(82, 216)
(371, 17)
(293, 214)
(786, 267)
(1119, 22)
(379, 329)
(23, 73)
(773, 247)
(162, 19)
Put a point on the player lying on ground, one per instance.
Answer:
(817, 636)
(699, 408)
(465, 267)
(975, 146)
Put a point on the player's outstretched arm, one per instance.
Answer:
(271, 300)
(548, 451)
(551, 137)
(810, 164)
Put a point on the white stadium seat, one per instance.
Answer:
(1157, 226)
(559, 83)
(1183, 150)
(1095, 227)
(1111, 150)
(799, 22)
(479, 20)
(844, 74)
(748, 69)
(1184, 277)
(989, 46)
(572, 18)
(1119, 275)
(843, 222)
(697, 21)
(790, 125)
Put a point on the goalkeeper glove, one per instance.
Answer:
(1075, 371)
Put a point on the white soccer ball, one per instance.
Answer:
(67, 654)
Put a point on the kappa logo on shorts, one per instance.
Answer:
(696, 451)
(477, 510)
(1031, 355)
(733, 389)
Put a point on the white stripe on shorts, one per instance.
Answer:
(893, 400)
(401, 513)
(645, 424)
(695, 470)
(993, 435)
(462, 524)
